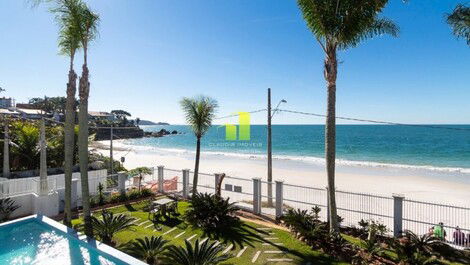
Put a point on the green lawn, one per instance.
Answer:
(248, 240)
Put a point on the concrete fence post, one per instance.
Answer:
(122, 177)
(185, 183)
(160, 170)
(256, 195)
(279, 198)
(397, 214)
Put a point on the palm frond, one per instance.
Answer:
(459, 20)
(150, 249)
(109, 224)
(345, 23)
(199, 113)
(205, 254)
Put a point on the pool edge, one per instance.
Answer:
(71, 232)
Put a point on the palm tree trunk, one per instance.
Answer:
(196, 166)
(84, 91)
(69, 143)
(331, 67)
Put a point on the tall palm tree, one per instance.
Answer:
(149, 249)
(69, 19)
(89, 31)
(109, 224)
(199, 113)
(339, 25)
(202, 254)
(459, 20)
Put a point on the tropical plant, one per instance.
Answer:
(307, 226)
(68, 16)
(109, 224)
(414, 249)
(88, 32)
(459, 20)
(24, 140)
(199, 113)
(7, 207)
(150, 249)
(211, 212)
(140, 172)
(339, 25)
(198, 254)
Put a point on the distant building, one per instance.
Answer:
(101, 115)
(8, 112)
(25, 106)
(34, 114)
(6, 103)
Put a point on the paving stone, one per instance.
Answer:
(180, 234)
(280, 260)
(169, 231)
(241, 251)
(255, 257)
(227, 249)
(191, 237)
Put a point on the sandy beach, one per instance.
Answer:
(420, 185)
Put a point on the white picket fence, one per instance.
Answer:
(13, 187)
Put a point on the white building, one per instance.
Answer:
(34, 114)
(6, 103)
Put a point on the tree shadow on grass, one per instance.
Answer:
(130, 207)
(237, 233)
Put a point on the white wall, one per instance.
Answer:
(25, 201)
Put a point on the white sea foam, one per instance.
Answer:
(306, 159)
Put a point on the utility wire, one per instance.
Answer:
(235, 115)
(376, 121)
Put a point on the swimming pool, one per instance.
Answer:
(39, 240)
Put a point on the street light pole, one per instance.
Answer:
(270, 157)
(270, 153)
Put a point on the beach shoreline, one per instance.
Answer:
(427, 185)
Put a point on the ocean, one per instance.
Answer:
(357, 145)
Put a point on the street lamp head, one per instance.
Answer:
(284, 101)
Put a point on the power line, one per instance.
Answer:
(236, 115)
(376, 121)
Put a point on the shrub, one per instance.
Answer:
(205, 253)
(118, 197)
(7, 207)
(211, 212)
(149, 249)
(110, 224)
(133, 195)
(146, 193)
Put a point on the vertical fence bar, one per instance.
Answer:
(185, 183)
(279, 198)
(256, 195)
(397, 214)
(160, 170)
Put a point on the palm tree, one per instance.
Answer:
(459, 20)
(69, 19)
(200, 254)
(149, 249)
(199, 113)
(109, 224)
(338, 25)
(89, 31)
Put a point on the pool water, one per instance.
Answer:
(34, 242)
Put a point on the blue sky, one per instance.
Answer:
(151, 53)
